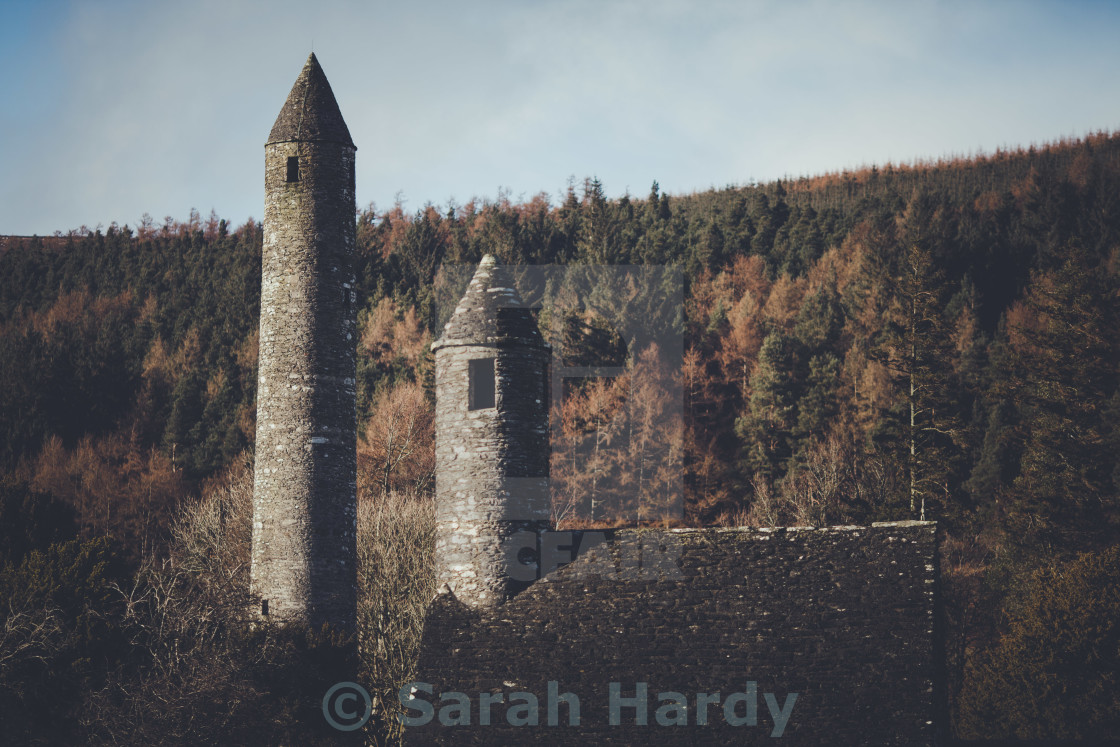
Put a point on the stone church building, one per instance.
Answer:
(630, 636)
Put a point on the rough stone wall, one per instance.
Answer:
(304, 497)
(845, 617)
(491, 469)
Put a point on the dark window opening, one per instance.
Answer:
(481, 384)
(293, 168)
(264, 606)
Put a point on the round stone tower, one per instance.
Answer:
(492, 442)
(304, 501)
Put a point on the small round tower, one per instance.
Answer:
(304, 499)
(492, 441)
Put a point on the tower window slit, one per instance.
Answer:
(293, 168)
(481, 384)
(264, 607)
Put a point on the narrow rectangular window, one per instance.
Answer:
(293, 168)
(264, 607)
(481, 384)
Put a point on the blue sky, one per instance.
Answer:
(116, 109)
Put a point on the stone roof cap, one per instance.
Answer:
(491, 312)
(311, 113)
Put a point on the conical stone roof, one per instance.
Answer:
(491, 312)
(311, 113)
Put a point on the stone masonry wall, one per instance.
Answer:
(846, 618)
(304, 500)
(491, 469)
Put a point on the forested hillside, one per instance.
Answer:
(937, 340)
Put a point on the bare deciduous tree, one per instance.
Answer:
(398, 450)
(396, 580)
